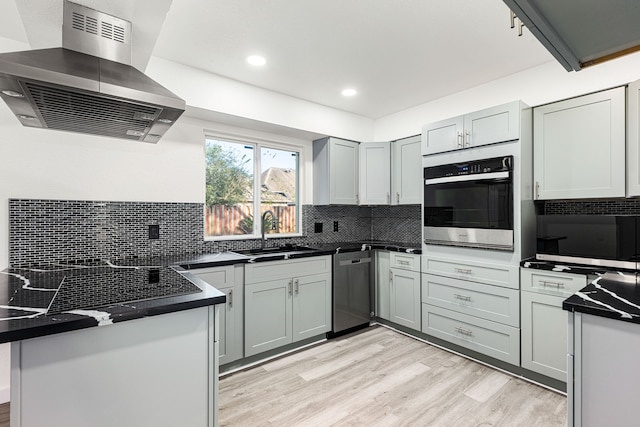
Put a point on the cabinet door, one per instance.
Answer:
(343, 172)
(383, 280)
(544, 335)
(579, 147)
(375, 173)
(633, 139)
(268, 315)
(445, 135)
(230, 326)
(405, 298)
(492, 125)
(406, 172)
(311, 306)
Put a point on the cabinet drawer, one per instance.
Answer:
(488, 302)
(492, 274)
(493, 339)
(551, 283)
(275, 270)
(218, 277)
(405, 261)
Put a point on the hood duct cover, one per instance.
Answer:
(72, 91)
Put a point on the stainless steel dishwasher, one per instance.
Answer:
(351, 290)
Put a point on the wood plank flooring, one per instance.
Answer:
(382, 378)
(4, 414)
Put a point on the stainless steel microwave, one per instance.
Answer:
(470, 204)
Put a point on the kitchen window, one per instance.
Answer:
(243, 178)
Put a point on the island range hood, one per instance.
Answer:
(88, 85)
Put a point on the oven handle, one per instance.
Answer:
(473, 177)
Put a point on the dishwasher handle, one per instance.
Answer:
(355, 261)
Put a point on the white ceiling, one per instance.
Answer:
(396, 53)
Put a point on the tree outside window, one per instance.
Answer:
(231, 197)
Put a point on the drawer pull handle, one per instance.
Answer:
(462, 297)
(556, 285)
(297, 282)
(290, 286)
(463, 270)
(403, 262)
(464, 331)
(230, 298)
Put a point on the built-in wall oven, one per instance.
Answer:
(470, 204)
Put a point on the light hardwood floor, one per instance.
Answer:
(382, 378)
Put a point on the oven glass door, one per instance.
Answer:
(469, 204)
(469, 211)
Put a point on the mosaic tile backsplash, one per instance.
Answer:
(72, 230)
(590, 207)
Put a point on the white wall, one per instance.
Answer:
(540, 85)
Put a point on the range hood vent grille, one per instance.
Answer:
(98, 24)
(86, 113)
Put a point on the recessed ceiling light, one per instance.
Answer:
(349, 92)
(256, 60)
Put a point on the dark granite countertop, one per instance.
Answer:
(412, 248)
(50, 299)
(286, 252)
(563, 267)
(615, 295)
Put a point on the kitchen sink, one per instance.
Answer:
(277, 250)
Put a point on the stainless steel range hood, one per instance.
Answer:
(88, 85)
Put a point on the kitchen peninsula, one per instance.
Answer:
(103, 344)
(602, 351)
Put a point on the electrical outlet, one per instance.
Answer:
(335, 225)
(317, 227)
(154, 231)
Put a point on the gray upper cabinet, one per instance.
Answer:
(489, 126)
(579, 147)
(375, 173)
(335, 172)
(584, 33)
(406, 171)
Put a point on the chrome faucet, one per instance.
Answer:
(264, 216)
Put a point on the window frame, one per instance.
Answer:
(257, 144)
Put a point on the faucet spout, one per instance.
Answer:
(262, 225)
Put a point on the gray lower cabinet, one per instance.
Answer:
(383, 279)
(229, 280)
(544, 323)
(474, 305)
(404, 286)
(286, 302)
